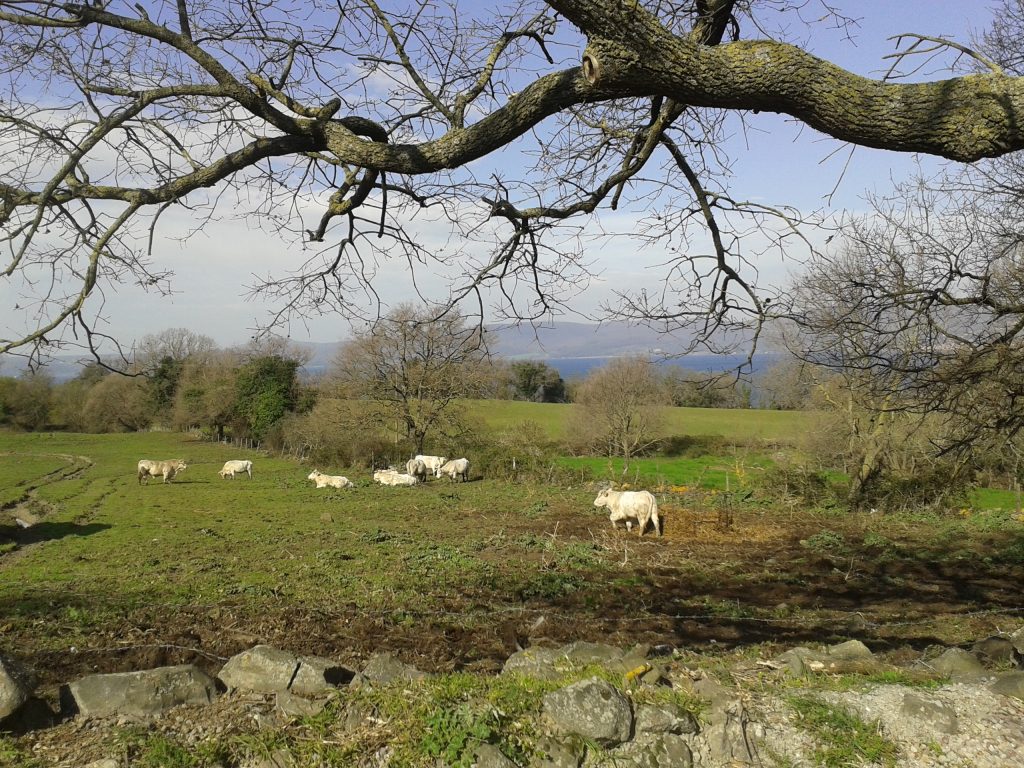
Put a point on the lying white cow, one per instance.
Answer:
(235, 467)
(417, 469)
(165, 469)
(630, 506)
(432, 463)
(456, 469)
(334, 481)
(393, 477)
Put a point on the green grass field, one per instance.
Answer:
(451, 577)
(745, 426)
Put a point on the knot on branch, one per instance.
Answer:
(591, 68)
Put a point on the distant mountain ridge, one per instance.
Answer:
(552, 341)
(568, 340)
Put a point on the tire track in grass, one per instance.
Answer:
(28, 510)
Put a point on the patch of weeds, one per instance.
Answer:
(11, 755)
(444, 718)
(874, 540)
(551, 585)
(148, 750)
(452, 735)
(670, 698)
(1012, 554)
(845, 741)
(534, 542)
(779, 760)
(380, 536)
(729, 609)
(535, 510)
(578, 554)
(826, 543)
(904, 677)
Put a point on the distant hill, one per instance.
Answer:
(561, 341)
(572, 340)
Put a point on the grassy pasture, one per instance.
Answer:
(118, 576)
(741, 425)
(449, 574)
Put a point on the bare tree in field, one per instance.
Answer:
(620, 408)
(334, 123)
(923, 302)
(411, 371)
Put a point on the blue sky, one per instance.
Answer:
(777, 161)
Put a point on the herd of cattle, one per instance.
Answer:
(628, 507)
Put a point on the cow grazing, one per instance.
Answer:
(432, 463)
(165, 469)
(236, 466)
(456, 469)
(630, 506)
(417, 469)
(333, 481)
(394, 478)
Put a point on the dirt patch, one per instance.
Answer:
(704, 589)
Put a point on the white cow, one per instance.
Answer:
(456, 469)
(432, 463)
(393, 477)
(236, 466)
(334, 481)
(165, 469)
(417, 469)
(630, 506)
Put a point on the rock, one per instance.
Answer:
(592, 708)
(1017, 638)
(383, 668)
(651, 719)
(262, 669)
(318, 675)
(656, 675)
(706, 688)
(265, 669)
(138, 694)
(536, 662)
(850, 650)
(1009, 684)
(104, 762)
(842, 658)
(583, 653)
(729, 737)
(941, 717)
(16, 684)
(995, 651)
(665, 750)
(290, 705)
(489, 756)
(554, 753)
(326, 517)
(958, 664)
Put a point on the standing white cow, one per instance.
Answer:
(236, 466)
(417, 469)
(456, 469)
(165, 469)
(630, 506)
(432, 463)
(334, 481)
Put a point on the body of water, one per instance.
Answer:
(575, 367)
